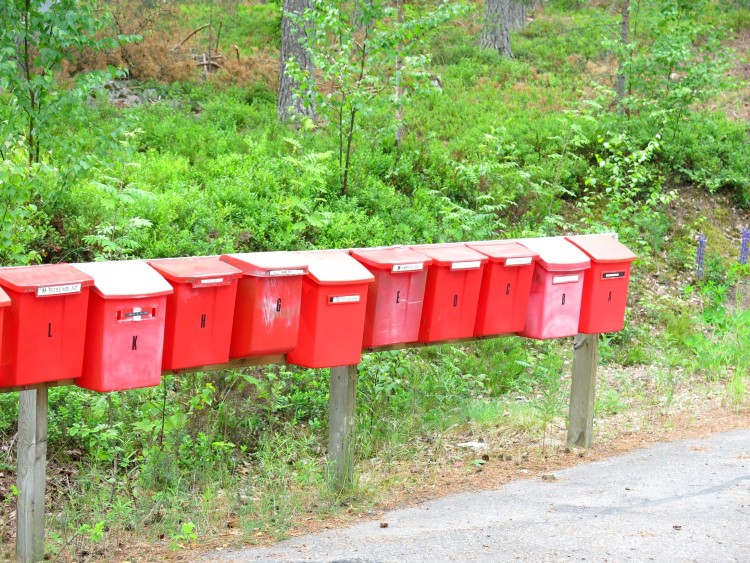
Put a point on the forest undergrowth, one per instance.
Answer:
(162, 158)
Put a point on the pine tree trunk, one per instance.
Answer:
(294, 100)
(496, 31)
(517, 16)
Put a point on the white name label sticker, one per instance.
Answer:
(58, 289)
(519, 261)
(564, 279)
(408, 267)
(466, 265)
(612, 275)
(291, 272)
(209, 281)
(344, 299)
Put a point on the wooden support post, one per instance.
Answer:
(32, 474)
(582, 391)
(342, 407)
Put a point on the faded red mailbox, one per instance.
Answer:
(45, 326)
(332, 317)
(125, 330)
(506, 284)
(454, 280)
(605, 284)
(199, 313)
(266, 315)
(556, 288)
(394, 301)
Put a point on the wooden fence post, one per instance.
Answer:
(32, 473)
(341, 418)
(582, 390)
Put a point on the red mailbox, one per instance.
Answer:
(556, 288)
(394, 301)
(266, 315)
(506, 284)
(199, 313)
(452, 293)
(332, 317)
(605, 284)
(45, 326)
(125, 330)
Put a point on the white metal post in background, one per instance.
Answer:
(32, 473)
(583, 390)
(342, 407)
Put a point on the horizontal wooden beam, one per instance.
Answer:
(60, 383)
(239, 363)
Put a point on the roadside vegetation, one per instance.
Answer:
(141, 150)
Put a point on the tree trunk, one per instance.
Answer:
(536, 5)
(622, 77)
(517, 16)
(399, 89)
(496, 31)
(295, 99)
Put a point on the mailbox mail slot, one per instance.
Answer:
(452, 292)
(605, 284)
(506, 284)
(199, 313)
(125, 330)
(394, 301)
(45, 326)
(266, 315)
(332, 317)
(555, 299)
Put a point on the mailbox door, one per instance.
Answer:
(331, 324)
(554, 304)
(44, 325)
(267, 311)
(395, 300)
(198, 320)
(504, 298)
(394, 307)
(266, 319)
(605, 288)
(198, 325)
(506, 283)
(124, 343)
(43, 338)
(451, 301)
(605, 293)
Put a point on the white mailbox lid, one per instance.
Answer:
(125, 279)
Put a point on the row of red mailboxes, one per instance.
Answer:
(320, 308)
